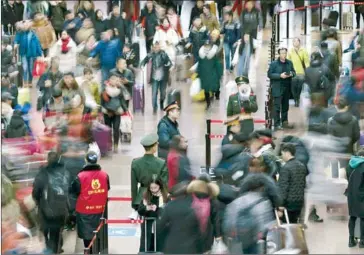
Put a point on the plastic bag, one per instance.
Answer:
(230, 88)
(195, 87)
(23, 96)
(39, 68)
(219, 247)
(126, 123)
(305, 98)
(95, 148)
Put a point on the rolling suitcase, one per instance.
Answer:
(332, 19)
(154, 231)
(138, 98)
(102, 136)
(361, 141)
(174, 95)
(348, 20)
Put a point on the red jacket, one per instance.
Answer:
(93, 190)
(173, 168)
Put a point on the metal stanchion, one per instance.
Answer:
(305, 25)
(340, 15)
(102, 237)
(320, 16)
(277, 28)
(287, 25)
(86, 251)
(95, 246)
(106, 229)
(208, 152)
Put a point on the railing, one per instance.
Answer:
(209, 136)
(100, 241)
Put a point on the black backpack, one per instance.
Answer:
(54, 202)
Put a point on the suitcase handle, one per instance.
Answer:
(277, 216)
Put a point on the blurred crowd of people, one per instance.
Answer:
(88, 68)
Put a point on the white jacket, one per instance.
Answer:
(162, 37)
(68, 61)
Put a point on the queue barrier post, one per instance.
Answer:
(340, 14)
(320, 16)
(102, 236)
(305, 20)
(106, 228)
(208, 151)
(95, 246)
(287, 25)
(278, 30)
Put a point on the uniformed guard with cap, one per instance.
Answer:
(233, 125)
(145, 168)
(167, 128)
(242, 104)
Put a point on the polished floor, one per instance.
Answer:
(329, 237)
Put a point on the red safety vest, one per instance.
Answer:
(94, 190)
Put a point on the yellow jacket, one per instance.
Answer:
(297, 59)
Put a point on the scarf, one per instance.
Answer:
(64, 46)
(165, 29)
(202, 209)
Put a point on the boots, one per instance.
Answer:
(161, 102)
(361, 243)
(352, 242)
(116, 148)
(313, 217)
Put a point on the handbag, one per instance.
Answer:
(95, 148)
(195, 87)
(126, 127)
(39, 68)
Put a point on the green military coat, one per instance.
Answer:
(142, 171)
(235, 105)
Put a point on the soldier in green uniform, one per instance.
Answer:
(145, 168)
(243, 104)
(233, 127)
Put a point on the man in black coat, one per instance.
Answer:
(116, 22)
(343, 124)
(196, 11)
(355, 176)
(11, 13)
(280, 74)
(51, 227)
(149, 19)
(292, 183)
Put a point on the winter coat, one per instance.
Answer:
(175, 21)
(142, 210)
(233, 166)
(313, 78)
(231, 32)
(6, 60)
(195, 13)
(67, 61)
(121, 25)
(237, 106)
(29, 44)
(108, 51)
(302, 153)
(210, 22)
(57, 15)
(91, 91)
(74, 98)
(161, 61)
(112, 101)
(197, 38)
(33, 7)
(13, 90)
(11, 14)
(171, 36)
(86, 223)
(6, 111)
(45, 32)
(335, 48)
(149, 21)
(39, 185)
(166, 130)
(179, 168)
(317, 119)
(355, 190)
(72, 31)
(344, 124)
(249, 22)
(133, 56)
(298, 58)
(84, 54)
(280, 86)
(84, 33)
(269, 199)
(16, 127)
(179, 222)
(55, 78)
(331, 62)
(127, 74)
(292, 184)
(100, 27)
(209, 70)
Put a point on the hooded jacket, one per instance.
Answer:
(67, 61)
(197, 38)
(16, 128)
(166, 130)
(344, 124)
(233, 166)
(355, 191)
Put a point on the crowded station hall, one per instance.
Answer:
(182, 127)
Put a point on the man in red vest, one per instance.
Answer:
(91, 186)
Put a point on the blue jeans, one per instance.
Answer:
(28, 64)
(161, 85)
(229, 54)
(105, 73)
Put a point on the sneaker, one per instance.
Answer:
(314, 217)
(278, 128)
(286, 125)
(361, 244)
(353, 242)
